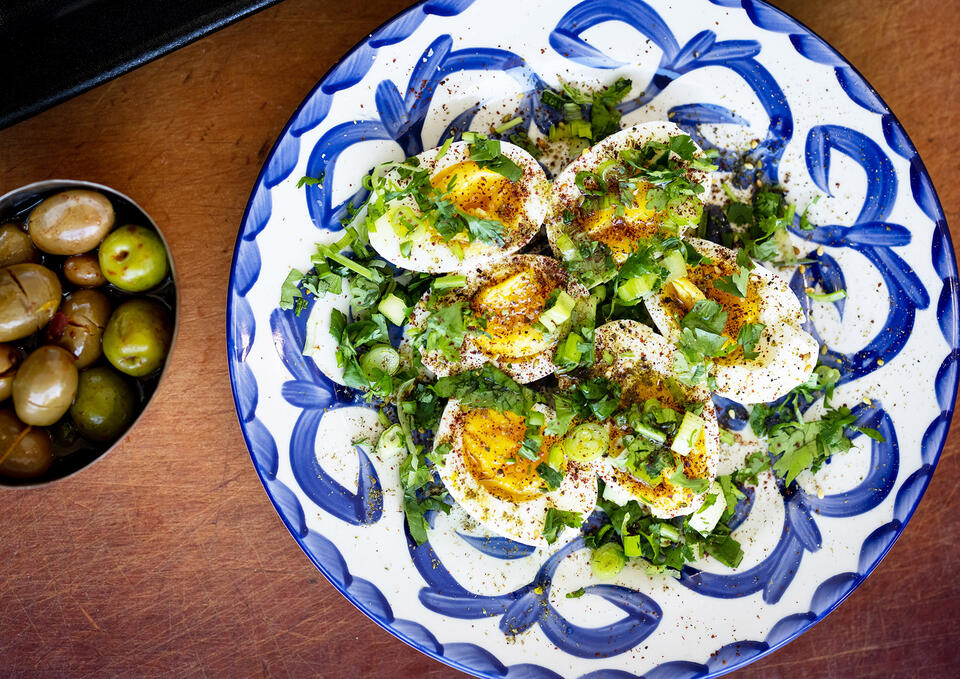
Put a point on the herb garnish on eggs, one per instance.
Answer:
(531, 390)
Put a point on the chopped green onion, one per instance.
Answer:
(634, 288)
(834, 296)
(470, 136)
(675, 264)
(509, 125)
(556, 457)
(587, 442)
(669, 532)
(688, 435)
(566, 247)
(569, 350)
(559, 313)
(394, 308)
(607, 561)
(449, 282)
(391, 445)
(580, 128)
(650, 433)
(381, 357)
(535, 419)
(356, 267)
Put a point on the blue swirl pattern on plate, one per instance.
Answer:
(400, 119)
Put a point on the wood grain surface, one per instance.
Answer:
(167, 559)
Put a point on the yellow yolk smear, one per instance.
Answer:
(740, 310)
(491, 440)
(511, 305)
(481, 193)
(622, 233)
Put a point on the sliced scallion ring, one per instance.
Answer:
(587, 442)
(382, 357)
(607, 561)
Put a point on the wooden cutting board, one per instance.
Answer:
(167, 559)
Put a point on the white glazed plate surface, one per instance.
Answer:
(727, 72)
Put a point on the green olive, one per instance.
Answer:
(84, 316)
(23, 454)
(63, 434)
(45, 386)
(29, 296)
(16, 246)
(106, 405)
(133, 258)
(71, 222)
(137, 337)
(84, 270)
(10, 358)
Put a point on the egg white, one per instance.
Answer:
(519, 521)
(437, 257)
(524, 370)
(567, 195)
(632, 349)
(787, 353)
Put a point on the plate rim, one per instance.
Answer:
(939, 225)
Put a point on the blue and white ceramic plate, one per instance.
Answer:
(726, 71)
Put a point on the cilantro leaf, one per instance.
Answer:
(486, 153)
(683, 146)
(310, 181)
(555, 521)
(550, 476)
(748, 336)
(487, 387)
(706, 315)
(289, 290)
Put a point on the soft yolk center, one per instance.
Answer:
(491, 440)
(740, 310)
(622, 233)
(481, 192)
(511, 306)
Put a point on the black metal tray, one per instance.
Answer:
(51, 50)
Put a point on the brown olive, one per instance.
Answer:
(10, 358)
(79, 324)
(16, 246)
(29, 296)
(71, 222)
(84, 271)
(45, 385)
(25, 452)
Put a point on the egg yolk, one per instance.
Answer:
(511, 305)
(621, 233)
(491, 445)
(639, 385)
(740, 310)
(481, 193)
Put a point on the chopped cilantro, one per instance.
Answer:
(486, 153)
(748, 336)
(310, 181)
(550, 476)
(487, 387)
(555, 521)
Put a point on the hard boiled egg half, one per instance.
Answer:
(587, 212)
(664, 442)
(786, 353)
(489, 478)
(524, 301)
(406, 233)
